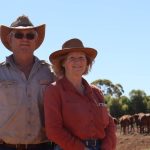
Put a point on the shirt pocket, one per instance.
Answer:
(103, 114)
(8, 93)
(43, 83)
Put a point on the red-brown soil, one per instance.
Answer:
(134, 141)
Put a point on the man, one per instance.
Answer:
(23, 78)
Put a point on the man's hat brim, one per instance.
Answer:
(88, 51)
(6, 30)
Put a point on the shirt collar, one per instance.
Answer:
(10, 61)
(67, 85)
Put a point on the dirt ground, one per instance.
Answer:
(134, 141)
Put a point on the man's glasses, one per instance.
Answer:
(29, 36)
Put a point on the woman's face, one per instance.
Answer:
(75, 64)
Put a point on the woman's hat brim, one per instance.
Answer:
(4, 31)
(90, 52)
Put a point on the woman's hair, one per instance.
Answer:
(59, 70)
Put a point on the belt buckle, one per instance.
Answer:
(91, 143)
(20, 146)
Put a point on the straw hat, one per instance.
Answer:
(71, 46)
(22, 23)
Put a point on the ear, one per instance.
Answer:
(63, 63)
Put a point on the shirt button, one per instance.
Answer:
(29, 110)
(29, 122)
(29, 134)
(29, 95)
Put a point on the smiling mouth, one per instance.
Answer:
(78, 68)
(24, 45)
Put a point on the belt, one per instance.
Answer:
(26, 146)
(92, 142)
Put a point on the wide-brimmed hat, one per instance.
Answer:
(71, 46)
(22, 23)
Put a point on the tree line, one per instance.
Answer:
(118, 104)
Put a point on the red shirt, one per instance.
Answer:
(71, 117)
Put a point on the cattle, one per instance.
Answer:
(131, 123)
(148, 122)
(136, 121)
(128, 122)
(144, 123)
(124, 124)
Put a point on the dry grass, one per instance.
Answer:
(134, 141)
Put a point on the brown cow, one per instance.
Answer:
(124, 124)
(144, 123)
(131, 123)
(136, 120)
(148, 122)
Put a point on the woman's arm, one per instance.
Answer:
(55, 129)
(109, 142)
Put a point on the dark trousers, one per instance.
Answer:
(94, 147)
(43, 147)
(97, 147)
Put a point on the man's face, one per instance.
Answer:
(23, 42)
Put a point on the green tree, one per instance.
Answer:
(124, 100)
(137, 98)
(115, 107)
(108, 88)
(148, 103)
(125, 109)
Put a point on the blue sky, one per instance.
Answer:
(118, 29)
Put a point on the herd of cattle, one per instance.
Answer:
(134, 123)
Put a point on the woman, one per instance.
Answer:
(75, 114)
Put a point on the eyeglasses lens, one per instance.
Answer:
(29, 36)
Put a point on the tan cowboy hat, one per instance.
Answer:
(22, 23)
(71, 46)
